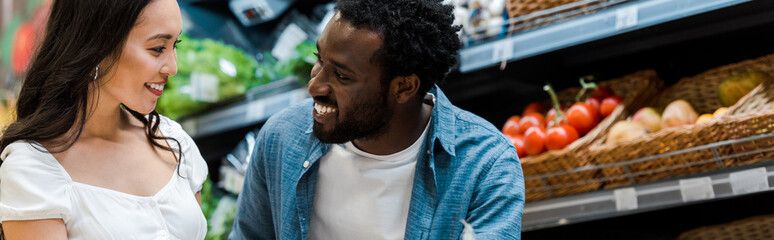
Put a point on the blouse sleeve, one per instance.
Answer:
(32, 185)
(192, 162)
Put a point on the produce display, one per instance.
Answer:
(649, 120)
(17, 41)
(538, 130)
(210, 71)
(736, 86)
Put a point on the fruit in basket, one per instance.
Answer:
(560, 136)
(530, 120)
(704, 118)
(601, 93)
(582, 117)
(534, 107)
(518, 142)
(736, 86)
(511, 126)
(649, 118)
(625, 130)
(678, 113)
(534, 140)
(608, 105)
(551, 115)
(720, 112)
(594, 103)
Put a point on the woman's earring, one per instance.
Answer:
(96, 72)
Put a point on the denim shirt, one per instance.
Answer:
(467, 171)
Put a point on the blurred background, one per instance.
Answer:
(679, 145)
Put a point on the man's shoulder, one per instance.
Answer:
(468, 124)
(475, 136)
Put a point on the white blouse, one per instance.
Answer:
(33, 185)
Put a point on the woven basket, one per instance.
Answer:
(701, 92)
(635, 88)
(520, 8)
(517, 8)
(752, 116)
(753, 228)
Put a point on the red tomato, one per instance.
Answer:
(582, 117)
(551, 115)
(560, 136)
(534, 140)
(518, 142)
(536, 107)
(594, 104)
(24, 45)
(601, 93)
(530, 120)
(609, 104)
(511, 126)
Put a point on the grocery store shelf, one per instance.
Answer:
(721, 184)
(242, 114)
(618, 19)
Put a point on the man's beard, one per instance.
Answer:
(368, 119)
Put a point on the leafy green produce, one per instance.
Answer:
(211, 71)
(231, 69)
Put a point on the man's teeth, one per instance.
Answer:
(159, 87)
(323, 109)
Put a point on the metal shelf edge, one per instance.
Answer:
(605, 23)
(242, 114)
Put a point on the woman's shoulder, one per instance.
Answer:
(29, 160)
(26, 152)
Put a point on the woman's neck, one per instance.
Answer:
(105, 120)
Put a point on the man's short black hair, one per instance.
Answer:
(417, 36)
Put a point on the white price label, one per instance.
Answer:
(695, 189)
(626, 17)
(502, 50)
(204, 87)
(749, 181)
(285, 48)
(625, 199)
(256, 110)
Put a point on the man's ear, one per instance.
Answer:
(403, 88)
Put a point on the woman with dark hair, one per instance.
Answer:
(88, 157)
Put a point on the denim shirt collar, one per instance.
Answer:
(442, 124)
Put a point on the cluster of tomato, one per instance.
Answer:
(534, 133)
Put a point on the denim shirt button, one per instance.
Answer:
(306, 164)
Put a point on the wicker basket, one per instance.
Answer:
(753, 228)
(701, 92)
(517, 8)
(635, 88)
(752, 116)
(530, 16)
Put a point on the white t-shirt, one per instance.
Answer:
(361, 195)
(33, 185)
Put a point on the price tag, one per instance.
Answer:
(695, 189)
(626, 17)
(256, 110)
(287, 42)
(749, 181)
(502, 50)
(204, 87)
(625, 199)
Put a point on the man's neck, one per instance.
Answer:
(405, 127)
